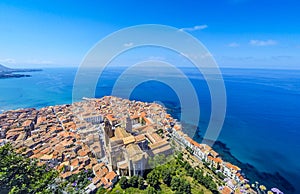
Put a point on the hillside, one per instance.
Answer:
(6, 72)
(5, 69)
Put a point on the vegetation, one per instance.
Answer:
(22, 175)
(123, 182)
(189, 150)
(180, 185)
(19, 174)
(134, 181)
(167, 177)
(175, 176)
(157, 160)
(78, 182)
(101, 190)
(153, 178)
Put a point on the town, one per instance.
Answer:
(111, 136)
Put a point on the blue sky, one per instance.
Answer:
(238, 33)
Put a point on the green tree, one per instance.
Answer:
(167, 178)
(141, 184)
(180, 156)
(187, 166)
(189, 150)
(157, 160)
(200, 192)
(133, 181)
(175, 183)
(180, 185)
(190, 172)
(101, 190)
(22, 175)
(185, 187)
(198, 175)
(123, 182)
(151, 190)
(152, 178)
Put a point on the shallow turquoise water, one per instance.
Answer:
(262, 125)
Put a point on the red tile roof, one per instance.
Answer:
(226, 190)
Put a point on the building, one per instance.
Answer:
(94, 119)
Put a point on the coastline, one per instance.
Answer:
(270, 180)
(250, 172)
(6, 72)
(12, 75)
(54, 85)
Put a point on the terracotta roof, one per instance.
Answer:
(206, 147)
(121, 133)
(26, 123)
(153, 137)
(231, 166)
(188, 139)
(82, 153)
(143, 114)
(195, 143)
(226, 190)
(128, 140)
(46, 157)
(210, 157)
(97, 167)
(134, 151)
(96, 180)
(148, 121)
(177, 127)
(35, 151)
(46, 150)
(66, 174)
(110, 176)
(66, 163)
(213, 153)
(93, 161)
(104, 182)
(241, 178)
(102, 172)
(75, 162)
(111, 117)
(217, 160)
(140, 137)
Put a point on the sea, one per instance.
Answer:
(261, 130)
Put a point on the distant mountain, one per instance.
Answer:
(6, 72)
(5, 69)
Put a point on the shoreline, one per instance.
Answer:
(250, 171)
(270, 180)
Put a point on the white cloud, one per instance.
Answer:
(195, 28)
(262, 42)
(234, 44)
(128, 44)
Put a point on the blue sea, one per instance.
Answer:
(262, 124)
